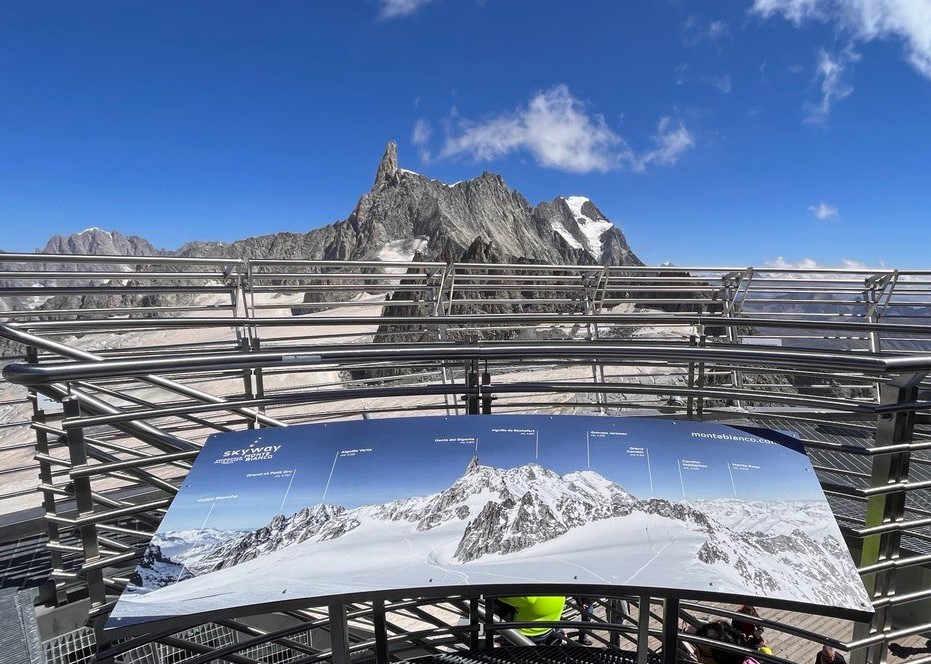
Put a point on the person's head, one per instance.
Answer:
(719, 630)
(827, 654)
(748, 628)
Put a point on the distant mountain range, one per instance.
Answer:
(406, 214)
(777, 548)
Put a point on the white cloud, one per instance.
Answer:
(803, 264)
(557, 129)
(420, 137)
(823, 211)
(906, 21)
(694, 31)
(717, 29)
(672, 139)
(395, 8)
(812, 264)
(796, 11)
(722, 82)
(834, 87)
(682, 74)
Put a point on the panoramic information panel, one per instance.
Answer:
(350, 508)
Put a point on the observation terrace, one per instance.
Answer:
(117, 368)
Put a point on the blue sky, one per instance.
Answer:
(371, 462)
(738, 133)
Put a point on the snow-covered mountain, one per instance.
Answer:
(406, 214)
(156, 570)
(506, 510)
(181, 542)
(439, 221)
(98, 242)
(772, 517)
(280, 532)
(491, 516)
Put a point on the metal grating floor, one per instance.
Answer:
(538, 655)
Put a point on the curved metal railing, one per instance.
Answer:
(221, 345)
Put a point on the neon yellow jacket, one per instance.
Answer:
(536, 608)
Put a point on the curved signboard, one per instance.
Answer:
(431, 504)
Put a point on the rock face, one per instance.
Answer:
(489, 513)
(511, 509)
(405, 212)
(450, 219)
(92, 241)
(98, 242)
(282, 531)
(156, 570)
(404, 216)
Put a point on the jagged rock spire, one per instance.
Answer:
(473, 465)
(388, 164)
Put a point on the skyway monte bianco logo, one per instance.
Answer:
(255, 452)
(728, 436)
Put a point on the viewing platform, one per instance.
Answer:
(117, 369)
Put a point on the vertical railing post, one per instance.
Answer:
(472, 383)
(46, 484)
(643, 630)
(592, 283)
(670, 630)
(339, 634)
(258, 377)
(437, 282)
(877, 294)
(85, 507)
(486, 395)
(381, 631)
(248, 388)
(700, 383)
(690, 383)
(474, 622)
(488, 623)
(892, 429)
(731, 290)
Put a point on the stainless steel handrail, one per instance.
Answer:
(27, 374)
(852, 316)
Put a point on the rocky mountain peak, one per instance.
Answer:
(476, 220)
(388, 165)
(98, 242)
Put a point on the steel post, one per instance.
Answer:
(670, 630)
(339, 633)
(643, 629)
(84, 503)
(381, 631)
(892, 468)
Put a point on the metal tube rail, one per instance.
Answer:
(95, 258)
(61, 349)
(295, 398)
(96, 469)
(471, 319)
(584, 351)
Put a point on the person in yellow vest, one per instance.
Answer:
(543, 609)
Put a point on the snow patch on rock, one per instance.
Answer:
(592, 229)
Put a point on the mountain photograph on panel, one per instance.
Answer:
(417, 503)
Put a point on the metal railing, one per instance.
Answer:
(150, 354)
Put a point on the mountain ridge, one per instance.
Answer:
(489, 513)
(407, 207)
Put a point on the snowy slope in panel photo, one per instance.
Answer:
(515, 499)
